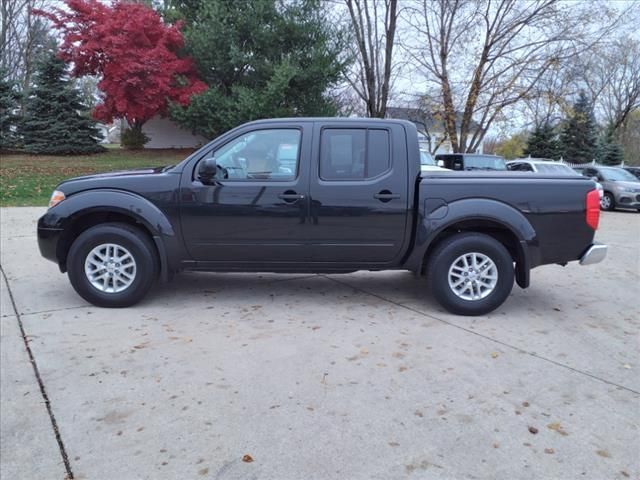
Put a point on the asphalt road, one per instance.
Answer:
(359, 376)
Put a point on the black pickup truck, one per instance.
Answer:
(318, 195)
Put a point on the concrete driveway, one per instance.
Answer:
(358, 376)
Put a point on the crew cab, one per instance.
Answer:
(318, 195)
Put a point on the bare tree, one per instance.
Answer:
(374, 29)
(488, 55)
(22, 36)
(612, 76)
(549, 100)
(630, 138)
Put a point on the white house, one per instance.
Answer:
(165, 133)
(430, 130)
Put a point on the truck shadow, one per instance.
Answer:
(400, 288)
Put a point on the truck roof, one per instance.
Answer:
(346, 120)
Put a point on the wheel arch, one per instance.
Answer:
(498, 220)
(84, 210)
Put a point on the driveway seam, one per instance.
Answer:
(486, 337)
(26, 314)
(43, 390)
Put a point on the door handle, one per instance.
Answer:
(290, 196)
(386, 196)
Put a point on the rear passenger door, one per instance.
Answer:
(358, 194)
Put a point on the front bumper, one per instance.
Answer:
(594, 254)
(627, 199)
(48, 239)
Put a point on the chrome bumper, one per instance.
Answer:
(594, 254)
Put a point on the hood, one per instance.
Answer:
(635, 186)
(140, 180)
(117, 174)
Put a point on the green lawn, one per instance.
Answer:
(27, 180)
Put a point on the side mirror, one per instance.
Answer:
(207, 170)
(595, 179)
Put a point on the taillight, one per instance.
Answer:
(593, 209)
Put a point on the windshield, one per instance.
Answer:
(473, 162)
(426, 159)
(557, 169)
(617, 175)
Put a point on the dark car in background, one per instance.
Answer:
(635, 171)
(621, 188)
(470, 161)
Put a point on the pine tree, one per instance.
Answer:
(543, 143)
(8, 119)
(260, 59)
(610, 150)
(578, 137)
(52, 122)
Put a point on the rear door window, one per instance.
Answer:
(354, 154)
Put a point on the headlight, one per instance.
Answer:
(624, 189)
(56, 197)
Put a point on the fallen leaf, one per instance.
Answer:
(494, 354)
(247, 458)
(627, 366)
(624, 474)
(533, 430)
(496, 445)
(558, 428)
(394, 444)
(603, 453)
(525, 404)
(549, 450)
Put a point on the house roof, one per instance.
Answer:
(424, 120)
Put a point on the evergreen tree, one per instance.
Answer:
(578, 137)
(610, 150)
(543, 143)
(8, 119)
(260, 59)
(52, 123)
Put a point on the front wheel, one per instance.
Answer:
(607, 202)
(112, 265)
(471, 273)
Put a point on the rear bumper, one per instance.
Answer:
(594, 254)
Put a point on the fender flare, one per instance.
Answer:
(138, 208)
(433, 221)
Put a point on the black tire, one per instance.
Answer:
(609, 202)
(452, 248)
(132, 239)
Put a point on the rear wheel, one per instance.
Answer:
(607, 202)
(471, 274)
(112, 265)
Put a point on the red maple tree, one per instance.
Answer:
(133, 51)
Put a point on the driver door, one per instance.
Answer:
(254, 209)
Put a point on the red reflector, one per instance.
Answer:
(593, 209)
